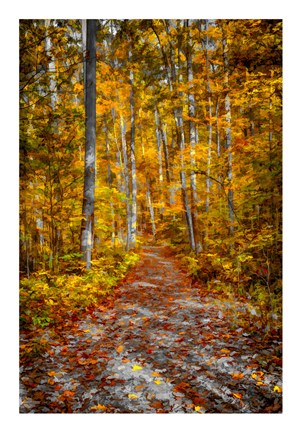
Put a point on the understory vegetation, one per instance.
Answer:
(50, 299)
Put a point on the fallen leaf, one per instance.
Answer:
(51, 373)
(238, 375)
(156, 374)
(89, 377)
(66, 394)
(156, 404)
(225, 350)
(58, 387)
(136, 367)
(257, 375)
(132, 396)
(120, 348)
(139, 387)
(197, 408)
(51, 381)
(98, 407)
(237, 395)
(277, 389)
(157, 382)
(126, 360)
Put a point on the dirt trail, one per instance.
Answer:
(161, 348)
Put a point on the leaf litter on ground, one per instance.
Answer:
(160, 346)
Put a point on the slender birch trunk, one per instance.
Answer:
(126, 181)
(165, 150)
(188, 215)
(133, 229)
(218, 153)
(208, 183)
(120, 180)
(193, 139)
(228, 143)
(151, 208)
(87, 231)
(149, 202)
(110, 180)
(53, 102)
(159, 147)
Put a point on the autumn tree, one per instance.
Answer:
(182, 123)
(90, 148)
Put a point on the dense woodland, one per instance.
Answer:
(149, 131)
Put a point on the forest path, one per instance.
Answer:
(160, 349)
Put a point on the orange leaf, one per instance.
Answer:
(257, 375)
(58, 387)
(125, 360)
(139, 387)
(51, 381)
(156, 374)
(156, 404)
(66, 394)
(238, 376)
(98, 407)
(237, 395)
(120, 348)
(51, 373)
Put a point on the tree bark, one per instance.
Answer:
(87, 230)
(133, 228)
(126, 181)
(193, 138)
(159, 147)
(228, 143)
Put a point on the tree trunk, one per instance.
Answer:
(87, 230)
(151, 208)
(228, 143)
(193, 138)
(208, 183)
(110, 180)
(133, 228)
(159, 147)
(149, 202)
(126, 181)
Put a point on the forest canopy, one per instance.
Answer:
(187, 147)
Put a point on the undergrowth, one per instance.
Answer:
(237, 280)
(48, 299)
